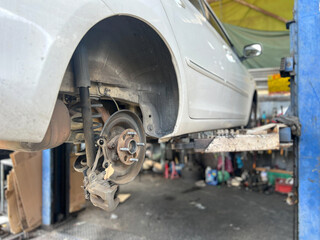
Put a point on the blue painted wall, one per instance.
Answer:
(47, 169)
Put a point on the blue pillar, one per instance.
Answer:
(305, 37)
(47, 174)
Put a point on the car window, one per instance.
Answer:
(214, 23)
(197, 5)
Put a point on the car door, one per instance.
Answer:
(202, 54)
(238, 81)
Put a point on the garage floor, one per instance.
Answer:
(175, 209)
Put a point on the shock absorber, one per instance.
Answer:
(82, 82)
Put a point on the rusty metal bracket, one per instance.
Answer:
(292, 122)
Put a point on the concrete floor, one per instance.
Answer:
(175, 209)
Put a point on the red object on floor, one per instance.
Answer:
(282, 186)
(166, 170)
(174, 173)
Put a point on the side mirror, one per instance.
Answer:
(252, 50)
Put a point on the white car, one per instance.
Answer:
(160, 68)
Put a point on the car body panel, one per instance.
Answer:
(212, 65)
(40, 38)
(200, 55)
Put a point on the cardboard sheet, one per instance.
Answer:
(77, 200)
(26, 179)
(13, 213)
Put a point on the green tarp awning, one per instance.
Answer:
(257, 21)
(275, 45)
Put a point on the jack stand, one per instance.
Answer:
(174, 173)
(166, 170)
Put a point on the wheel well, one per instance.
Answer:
(255, 100)
(254, 103)
(127, 54)
(255, 97)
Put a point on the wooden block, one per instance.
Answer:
(147, 164)
(123, 197)
(158, 166)
(241, 143)
(261, 128)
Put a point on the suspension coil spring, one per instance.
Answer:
(96, 125)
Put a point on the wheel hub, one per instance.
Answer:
(129, 147)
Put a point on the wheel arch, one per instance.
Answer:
(253, 110)
(128, 53)
(255, 100)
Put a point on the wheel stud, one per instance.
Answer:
(131, 133)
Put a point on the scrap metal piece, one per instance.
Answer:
(109, 171)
